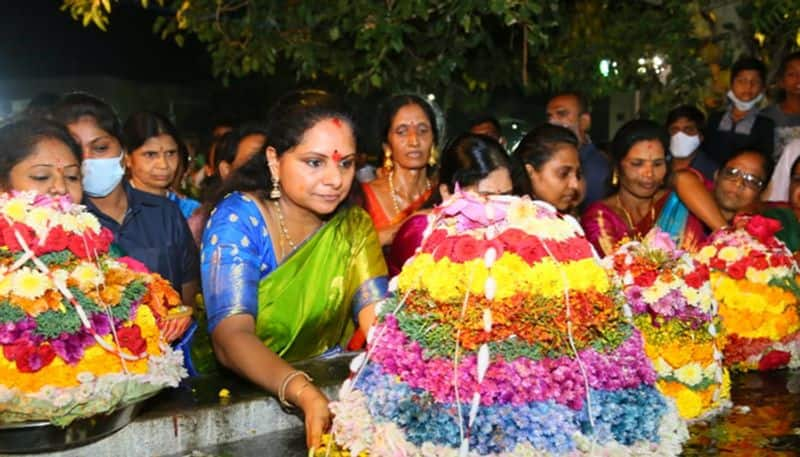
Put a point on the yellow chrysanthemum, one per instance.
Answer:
(70, 223)
(87, 276)
(30, 284)
(690, 404)
(729, 254)
(662, 367)
(655, 292)
(88, 221)
(690, 374)
(511, 273)
(5, 284)
(705, 254)
(758, 276)
(691, 295)
(15, 209)
(38, 219)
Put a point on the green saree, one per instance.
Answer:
(305, 304)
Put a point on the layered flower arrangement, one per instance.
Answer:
(754, 279)
(504, 336)
(669, 298)
(79, 329)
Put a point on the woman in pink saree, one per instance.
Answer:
(474, 163)
(639, 152)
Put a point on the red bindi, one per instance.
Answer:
(337, 122)
(336, 156)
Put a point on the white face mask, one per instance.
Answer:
(101, 176)
(744, 106)
(682, 145)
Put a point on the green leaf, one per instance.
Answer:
(375, 80)
(334, 33)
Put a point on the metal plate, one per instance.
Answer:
(28, 437)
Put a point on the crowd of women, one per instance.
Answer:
(289, 264)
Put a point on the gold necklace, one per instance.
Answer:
(282, 224)
(396, 200)
(628, 214)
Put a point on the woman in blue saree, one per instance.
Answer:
(287, 273)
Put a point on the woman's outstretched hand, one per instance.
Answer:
(318, 417)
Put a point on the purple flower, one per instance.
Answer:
(12, 331)
(70, 347)
(100, 324)
(635, 299)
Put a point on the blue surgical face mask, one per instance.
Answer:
(101, 176)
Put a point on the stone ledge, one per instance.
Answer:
(194, 416)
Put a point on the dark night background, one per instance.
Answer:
(42, 49)
(38, 40)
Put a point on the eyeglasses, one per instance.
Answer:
(750, 180)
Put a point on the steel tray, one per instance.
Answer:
(42, 436)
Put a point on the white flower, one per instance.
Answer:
(690, 374)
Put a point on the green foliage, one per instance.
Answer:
(464, 50)
(786, 283)
(132, 294)
(437, 339)
(50, 324)
(10, 313)
(774, 29)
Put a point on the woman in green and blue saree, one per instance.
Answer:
(288, 271)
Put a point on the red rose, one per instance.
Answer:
(718, 264)
(12, 351)
(131, 339)
(758, 260)
(433, 241)
(696, 278)
(496, 244)
(646, 279)
(773, 360)
(10, 238)
(737, 269)
(780, 260)
(103, 240)
(32, 359)
(466, 248)
(532, 251)
(571, 249)
(762, 228)
(78, 246)
(513, 239)
(56, 241)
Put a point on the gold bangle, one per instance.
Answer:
(285, 383)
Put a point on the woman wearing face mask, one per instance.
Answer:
(286, 269)
(740, 125)
(147, 227)
(546, 166)
(40, 155)
(474, 163)
(153, 157)
(691, 169)
(639, 153)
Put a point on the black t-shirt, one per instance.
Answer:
(721, 144)
(155, 233)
